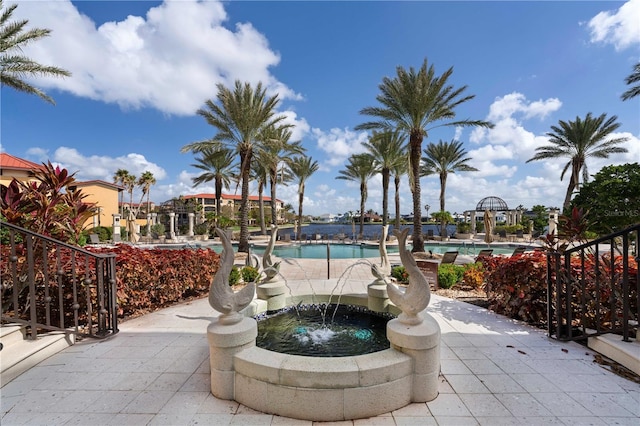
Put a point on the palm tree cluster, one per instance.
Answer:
(130, 182)
(411, 104)
(248, 126)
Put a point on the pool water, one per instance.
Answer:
(319, 251)
(355, 251)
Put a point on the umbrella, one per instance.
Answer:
(488, 227)
(131, 226)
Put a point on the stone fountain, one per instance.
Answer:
(325, 389)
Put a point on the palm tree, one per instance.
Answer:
(387, 150)
(146, 180)
(276, 151)
(400, 169)
(119, 178)
(302, 167)
(259, 174)
(634, 77)
(218, 166)
(129, 184)
(441, 159)
(413, 103)
(579, 140)
(240, 115)
(14, 67)
(359, 169)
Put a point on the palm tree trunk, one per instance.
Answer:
(263, 228)
(415, 150)
(274, 211)
(573, 183)
(300, 199)
(363, 199)
(385, 196)
(443, 184)
(218, 185)
(245, 161)
(397, 200)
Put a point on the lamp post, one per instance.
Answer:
(427, 207)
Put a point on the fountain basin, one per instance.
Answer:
(321, 388)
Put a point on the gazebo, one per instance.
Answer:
(494, 205)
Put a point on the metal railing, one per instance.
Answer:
(49, 285)
(593, 288)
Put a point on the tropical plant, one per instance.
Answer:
(145, 181)
(119, 178)
(612, 198)
(302, 167)
(47, 206)
(400, 169)
(250, 274)
(259, 174)
(360, 168)
(633, 78)
(275, 152)
(387, 150)
(239, 116)
(443, 218)
(15, 67)
(578, 140)
(413, 103)
(218, 166)
(400, 273)
(443, 158)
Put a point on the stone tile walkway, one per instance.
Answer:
(495, 371)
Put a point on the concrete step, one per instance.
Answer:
(11, 333)
(624, 353)
(20, 356)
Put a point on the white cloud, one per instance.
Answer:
(620, 28)
(513, 103)
(170, 60)
(339, 144)
(301, 127)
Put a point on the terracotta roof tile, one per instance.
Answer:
(8, 161)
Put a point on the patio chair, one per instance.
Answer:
(449, 257)
(430, 234)
(518, 251)
(484, 253)
(94, 239)
(519, 235)
(287, 237)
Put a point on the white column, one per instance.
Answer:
(473, 222)
(191, 218)
(172, 225)
(116, 227)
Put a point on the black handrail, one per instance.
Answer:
(49, 285)
(589, 292)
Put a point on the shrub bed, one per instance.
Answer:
(153, 278)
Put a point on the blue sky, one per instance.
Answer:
(142, 69)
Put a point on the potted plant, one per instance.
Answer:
(463, 231)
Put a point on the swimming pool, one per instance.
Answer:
(359, 251)
(319, 251)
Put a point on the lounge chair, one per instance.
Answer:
(287, 237)
(94, 239)
(519, 235)
(449, 257)
(484, 253)
(503, 235)
(518, 251)
(430, 234)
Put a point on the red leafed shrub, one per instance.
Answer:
(152, 278)
(517, 286)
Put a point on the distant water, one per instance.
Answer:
(369, 230)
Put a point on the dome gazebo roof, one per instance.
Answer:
(494, 204)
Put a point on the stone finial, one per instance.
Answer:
(417, 295)
(221, 297)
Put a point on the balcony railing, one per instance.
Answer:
(49, 285)
(593, 288)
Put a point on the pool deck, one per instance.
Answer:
(495, 371)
